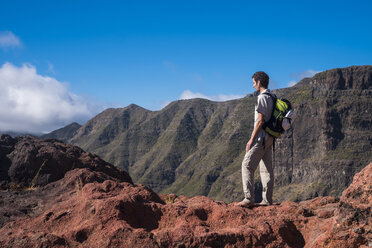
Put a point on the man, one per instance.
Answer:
(259, 147)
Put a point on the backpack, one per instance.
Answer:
(281, 116)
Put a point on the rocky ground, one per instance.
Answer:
(89, 208)
(28, 162)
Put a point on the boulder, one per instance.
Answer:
(29, 161)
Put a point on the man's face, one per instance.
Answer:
(256, 85)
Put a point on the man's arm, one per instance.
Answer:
(259, 123)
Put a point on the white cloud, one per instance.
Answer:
(291, 83)
(34, 103)
(308, 73)
(301, 75)
(9, 40)
(187, 94)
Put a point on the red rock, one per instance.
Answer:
(92, 209)
(29, 161)
(326, 213)
(359, 194)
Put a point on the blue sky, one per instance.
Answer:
(114, 53)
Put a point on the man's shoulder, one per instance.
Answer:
(266, 94)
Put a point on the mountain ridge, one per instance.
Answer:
(64, 134)
(195, 147)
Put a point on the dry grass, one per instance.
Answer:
(33, 182)
(32, 188)
(79, 187)
(171, 198)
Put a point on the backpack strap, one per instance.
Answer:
(273, 98)
(274, 150)
(269, 94)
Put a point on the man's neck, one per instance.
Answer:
(262, 89)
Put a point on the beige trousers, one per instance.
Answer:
(259, 154)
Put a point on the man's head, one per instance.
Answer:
(260, 79)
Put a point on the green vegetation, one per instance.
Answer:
(195, 147)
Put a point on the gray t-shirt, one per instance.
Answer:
(265, 107)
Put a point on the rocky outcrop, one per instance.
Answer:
(101, 211)
(30, 162)
(359, 194)
(18, 203)
(351, 78)
(331, 138)
(195, 147)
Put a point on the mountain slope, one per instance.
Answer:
(64, 133)
(195, 147)
(332, 136)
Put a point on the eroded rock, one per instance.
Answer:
(29, 162)
(102, 211)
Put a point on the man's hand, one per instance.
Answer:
(249, 145)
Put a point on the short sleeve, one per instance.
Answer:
(262, 104)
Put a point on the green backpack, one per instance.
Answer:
(281, 116)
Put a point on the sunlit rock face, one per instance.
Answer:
(87, 208)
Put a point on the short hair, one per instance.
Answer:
(262, 77)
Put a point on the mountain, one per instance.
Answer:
(64, 133)
(180, 149)
(195, 147)
(15, 134)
